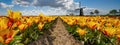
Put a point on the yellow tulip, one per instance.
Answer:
(29, 21)
(41, 14)
(99, 26)
(4, 33)
(81, 31)
(10, 13)
(36, 19)
(17, 15)
(108, 24)
(14, 25)
(116, 23)
(3, 23)
(117, 31)
(14, 33)
(1, 39)
(40, 26)
(49, 19)
(92, 25)
(109, 31)
(82, 24)
(22, 26)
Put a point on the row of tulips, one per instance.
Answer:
(14, 22)
(94, 28)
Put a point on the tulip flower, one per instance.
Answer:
(9, 24)
(17, 15)
(81, 31)
(3, 23)
(82, 24)
(22, 26)
(8, 40)
(10, 13)
(36, 19)
(108, 25)
(29, 21)
(118, 36)
(109, 31)
(40, 26)
(92, 25)
(18, 22)
(1, 39)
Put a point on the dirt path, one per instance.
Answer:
(58, 35)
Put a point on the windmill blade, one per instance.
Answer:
(77, 9)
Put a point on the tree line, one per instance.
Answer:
(111, 12)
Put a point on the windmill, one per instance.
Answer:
(80, 9)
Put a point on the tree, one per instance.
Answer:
(71, 14)
(91, 13)
(119, 10)
(113, 12)
(96, 12)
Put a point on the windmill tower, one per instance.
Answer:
(80, 9)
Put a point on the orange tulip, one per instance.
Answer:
(116, 23)
(8, 40)
(118, 37)
(18, 23)
(11, 32)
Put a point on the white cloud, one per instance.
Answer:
(30, 12)
(56, 11)
(66, 4)
(56, 7)
(22, 2)
(87, 11)
(51, 11)
(60, 11)
(3, 5)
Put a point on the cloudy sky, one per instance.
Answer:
(57, 7)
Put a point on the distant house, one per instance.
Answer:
(118, 13)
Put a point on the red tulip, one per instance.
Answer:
(9, 24)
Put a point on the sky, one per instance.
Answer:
(57, 7)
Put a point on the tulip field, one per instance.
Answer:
(94, 30)
(16, 29)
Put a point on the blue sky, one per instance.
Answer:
(102, 4)
(57, 7)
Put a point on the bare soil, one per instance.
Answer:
(57, 35)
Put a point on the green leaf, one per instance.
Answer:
(19, 44)
(1, 44)
(17, 37)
